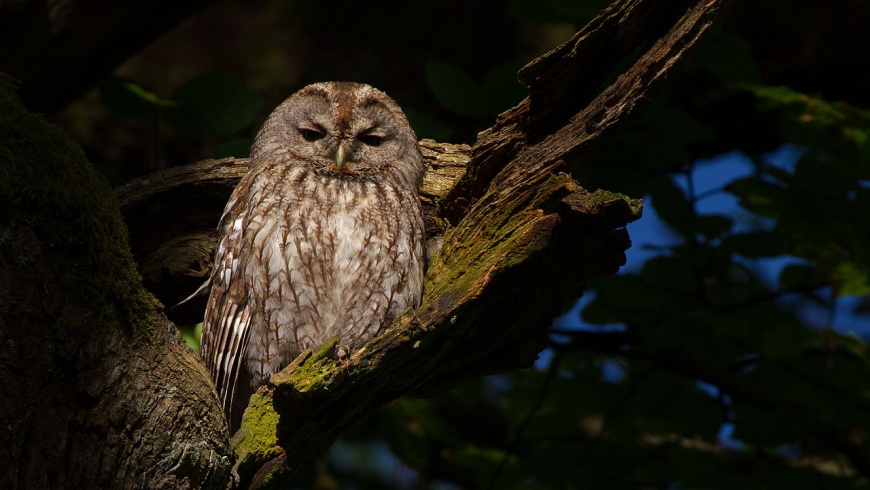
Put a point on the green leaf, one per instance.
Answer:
(672, 206)
(235, 147)
(727, 58)
(758, 196)
(786, 339)
(623, 299)
(427, 126)
(501, 88)
(670, 273)
(713, 226)
(456, 90)
(215, 102)
(404, 438)
(430, 422)
(126, 98)
(484, 462)
(801, 276)
(851, 279)
(553, 464)
(755, 244)
(191, 334)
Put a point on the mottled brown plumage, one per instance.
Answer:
(322, 238)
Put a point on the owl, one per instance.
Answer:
(322, 238)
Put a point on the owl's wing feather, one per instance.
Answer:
(227, 325)
(227, 368)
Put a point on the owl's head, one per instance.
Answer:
(343, 129)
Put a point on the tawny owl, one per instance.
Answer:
(323, 237)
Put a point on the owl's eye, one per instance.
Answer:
(370, 139)
(311, 134)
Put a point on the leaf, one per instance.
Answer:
(801, 276)
(727, 58)
(214, 102)
(714, 225)
(126, 98)
(758, 196)
(786, 339)
(672, 206)
(236, 147)
(670, 273)
(191, 335)
(403, 438)
(548, 463)
(456, 90)
(501, 88)
(623, 299)
(484, 462)
(427, 126)
(755, 244)
(430, 422)
(851, 279)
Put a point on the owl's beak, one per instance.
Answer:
(339, 156)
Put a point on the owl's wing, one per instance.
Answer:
(227, 324)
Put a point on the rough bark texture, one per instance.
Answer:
(519, 239)
(99, 390)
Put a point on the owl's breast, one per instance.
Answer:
(346, 258)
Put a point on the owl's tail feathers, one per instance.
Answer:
(202, 291)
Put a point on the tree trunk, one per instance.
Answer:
(99, 389)
(519, 236)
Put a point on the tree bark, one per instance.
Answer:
(519, 238)
(99, 389)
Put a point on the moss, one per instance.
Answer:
(516, 227)
(52, 197)
(601, 197)
(256, 441)
(261, 419)
(313, 370)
